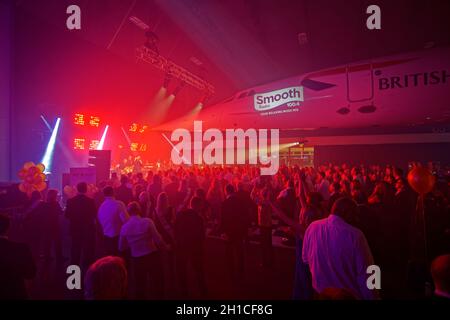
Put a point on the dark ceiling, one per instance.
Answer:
(245, 43)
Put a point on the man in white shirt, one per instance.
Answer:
(142, 238)
(323, 186)
(112, 214)
(337, 253)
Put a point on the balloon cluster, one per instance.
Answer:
(33, 178)
(71, 191)
(421, 180)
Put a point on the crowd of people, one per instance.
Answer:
(341, 219)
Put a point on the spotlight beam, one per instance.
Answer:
(46, 123)
(127, 137)
(102, 140)
(48, 155)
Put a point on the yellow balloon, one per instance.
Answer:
(41, 167)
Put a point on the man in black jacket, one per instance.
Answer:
(235, 221)
(190, 238)
(81, 212)
(123, 192)
(16, 265)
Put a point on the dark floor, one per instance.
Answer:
(258, 283)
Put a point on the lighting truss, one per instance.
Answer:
(169, 67)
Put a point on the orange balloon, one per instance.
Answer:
(28, 165)
(22, 174)
(33, 170)
(421, 180)
(41, 186)
(37, 180)
(22, 188)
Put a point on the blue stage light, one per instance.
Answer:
(102, 140)
(48, 155)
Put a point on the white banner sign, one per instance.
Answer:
(78, 175)
(277, 98)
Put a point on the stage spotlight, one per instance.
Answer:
(165, 105)
(102, 140)
(152, 41)
(178, 89)
(204, 99)
(160, 95)
(167, 80)
(196, 109)
(199, 106)
(48, 155)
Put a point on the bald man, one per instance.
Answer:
(440, 271)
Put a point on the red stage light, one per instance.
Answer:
(133, 127)
(94, 144)
(134, 146)
(79, 119)
(78, 143)
(95, 121)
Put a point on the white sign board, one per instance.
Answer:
(86, 174)
(277, 98)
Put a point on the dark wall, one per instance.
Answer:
(395, 154)
(56, 74)
(6, 31)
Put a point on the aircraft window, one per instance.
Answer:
(367, 109)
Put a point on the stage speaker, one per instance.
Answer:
(101, 160)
